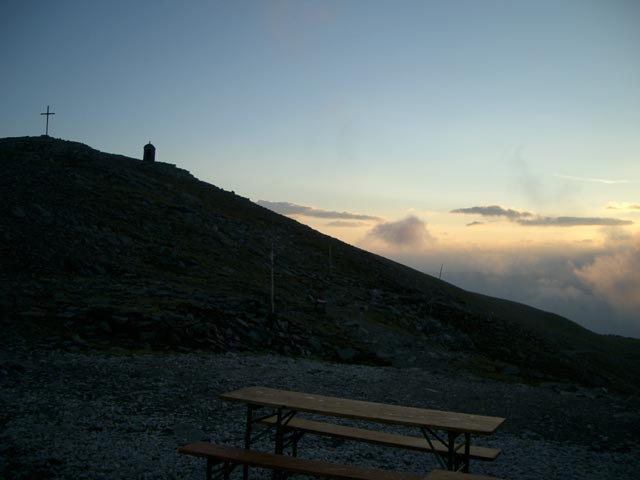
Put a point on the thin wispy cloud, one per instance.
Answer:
(494, 211)
(529, 219)
(288, 208)
(604, 181)
(627, 207)
(574, 222)
(345, 224)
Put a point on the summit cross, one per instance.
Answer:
(47, 114)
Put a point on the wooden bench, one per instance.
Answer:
(231, 457)
(380, 438)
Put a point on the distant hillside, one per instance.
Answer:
(103, 250)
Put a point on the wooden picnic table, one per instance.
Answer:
(431, 423)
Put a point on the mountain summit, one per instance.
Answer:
(102, 250)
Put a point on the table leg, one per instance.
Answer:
(279, 433)
(247, 439)
(426, 432)
(467, 448)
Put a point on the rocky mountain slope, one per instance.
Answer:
(101, 250)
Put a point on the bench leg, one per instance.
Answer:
(426, 432)
(282, 419)
(451, 456)
(279, 433)
(294, 442)
(467, 448)
(209, 469)
(279, 442)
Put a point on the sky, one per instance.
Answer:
(496, 140)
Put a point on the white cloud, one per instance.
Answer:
(410, 232)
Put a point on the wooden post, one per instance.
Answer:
(273, 304)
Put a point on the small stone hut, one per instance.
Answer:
(149, 153)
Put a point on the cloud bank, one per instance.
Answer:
(615, 277)
(598, 288)
(287, 208)
(529, 219)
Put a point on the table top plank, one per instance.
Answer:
(362, 410)
(445, 475)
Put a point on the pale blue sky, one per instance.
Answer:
(385, 108)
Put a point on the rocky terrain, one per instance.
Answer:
(95, 415)
(132, 294)
(103, 251)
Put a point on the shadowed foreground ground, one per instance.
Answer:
(91, 415)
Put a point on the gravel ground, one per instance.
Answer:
(96, 415)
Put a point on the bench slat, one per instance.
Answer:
(381, 438)
(292, 464)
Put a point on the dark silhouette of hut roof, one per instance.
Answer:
(149, 153)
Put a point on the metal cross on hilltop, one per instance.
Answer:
(47, 114)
